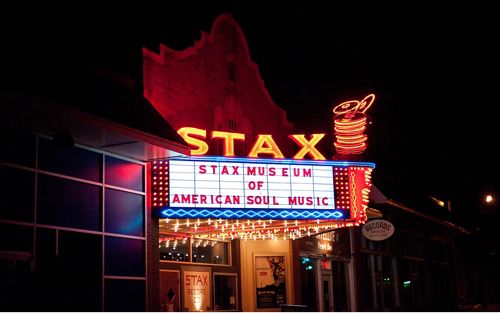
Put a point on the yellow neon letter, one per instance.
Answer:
(228, 140)
(202, 147)
(308, 146)
(271, 147)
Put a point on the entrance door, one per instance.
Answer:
(327, 293)
(309, 283)
(341, 286)
(170, 290)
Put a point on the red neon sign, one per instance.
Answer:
(349, 128)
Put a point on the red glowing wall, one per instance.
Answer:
(214, 85)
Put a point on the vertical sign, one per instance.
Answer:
(196, 290)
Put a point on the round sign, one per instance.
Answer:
(378, 230)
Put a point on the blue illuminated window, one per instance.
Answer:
(124, 213)
(71, 161)
(68, 203)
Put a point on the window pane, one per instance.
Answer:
(17, 194)
(71, 278)
(80, 271)
(124, 213)
(68, 203)
(18, 148)
(174, 248)
(16, 238)
(225, 292)
(124, 257)
(210, 251)
(124, 174)
(340, 281)
(69, 161)
(45, 250)
(45, 296)
(124, 295)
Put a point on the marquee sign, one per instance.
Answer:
(219, 187)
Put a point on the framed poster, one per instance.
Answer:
(270, 281)
(170, 290)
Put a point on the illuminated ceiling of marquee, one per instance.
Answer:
(227, 229)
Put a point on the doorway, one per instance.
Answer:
(308, 274)
(327, 293)
(341, 285)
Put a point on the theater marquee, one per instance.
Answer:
(219, 187)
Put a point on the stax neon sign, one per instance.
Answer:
(264, 144)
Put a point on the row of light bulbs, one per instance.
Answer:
(223, 229)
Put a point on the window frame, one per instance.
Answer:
(191, 242)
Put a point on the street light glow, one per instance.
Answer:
(488, 199)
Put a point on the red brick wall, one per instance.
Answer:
(213, 82)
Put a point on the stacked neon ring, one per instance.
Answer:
(350, 124)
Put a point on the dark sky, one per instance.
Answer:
(433, 67)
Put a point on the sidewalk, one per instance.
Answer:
(493, 307)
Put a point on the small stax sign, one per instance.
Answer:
(264, 144)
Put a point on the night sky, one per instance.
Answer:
(434, 69)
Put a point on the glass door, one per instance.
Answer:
(327, 293)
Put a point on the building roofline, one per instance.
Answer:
(403, 207)
(40, 115)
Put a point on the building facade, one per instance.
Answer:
(418, 268)
(215, 86)
(78, 228)
(74, 218)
